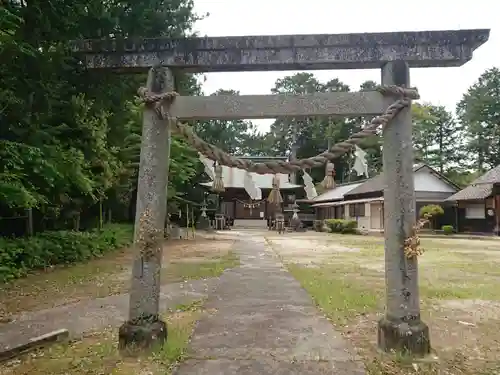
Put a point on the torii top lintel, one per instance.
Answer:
(284, 52)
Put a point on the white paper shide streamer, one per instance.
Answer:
(208, 164)
(360, 165)
(309, 186)
(251, 188)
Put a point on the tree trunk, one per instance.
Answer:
(101, 219)
(29, 223)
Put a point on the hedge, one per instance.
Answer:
(21, 255)
(448, 229)
(342, 226)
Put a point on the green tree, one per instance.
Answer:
(430, 212)
(314, 135)
(308, 136)
(236, 137)
(61, 152)
(479, 114)
(436, 136)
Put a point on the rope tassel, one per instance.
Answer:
(218, 185)
(275, 195)
(329, 180)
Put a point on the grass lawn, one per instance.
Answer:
(459, 292)
(199, 268)
(97, 353)
(109, 275)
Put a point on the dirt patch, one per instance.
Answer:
(460, 302)
(374, 267)
(97, 353)
(101, 277)
(459, 346)
(476, 310)
(197, 260)
(464, 341)
(195, 249)
(306, 250)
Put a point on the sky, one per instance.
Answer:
(440, 86)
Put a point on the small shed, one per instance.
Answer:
(326, 204)
(478, 205)
(365, 203)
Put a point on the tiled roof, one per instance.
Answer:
(373, 184)
(336, 193)
(342, 203)
(377, 183)
(472, 192)
(490, 177)
(480, 188)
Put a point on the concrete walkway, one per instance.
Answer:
(260, 321)
(90, 315)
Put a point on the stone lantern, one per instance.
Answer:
(295, 222)
(204, 209)
(295, 210)
(203, 221)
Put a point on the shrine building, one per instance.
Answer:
(237, 204)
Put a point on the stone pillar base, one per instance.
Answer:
(141, 335)
(411, 338)
(203, 223)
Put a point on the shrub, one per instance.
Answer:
(332, 225)
(318, 225)
(342, 226)
(448, 229)
(350, 227)
(20, 255)
(432, 210)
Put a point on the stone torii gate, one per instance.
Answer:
(393, 53)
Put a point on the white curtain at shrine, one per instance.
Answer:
(360, 165)
(251, 188)
(208, 165)
(309, 186)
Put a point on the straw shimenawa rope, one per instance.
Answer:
(403, 96)
(329, 180)
(161, 102)
(218, 184)
(275, 195)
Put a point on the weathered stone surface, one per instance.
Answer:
(404, 337)
(267, 365)
(142, 335)
(229, 107)
(33, 343)
(401, 273)
(285, 52)
(150, 217)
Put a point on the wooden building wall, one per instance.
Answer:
(233, 206)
